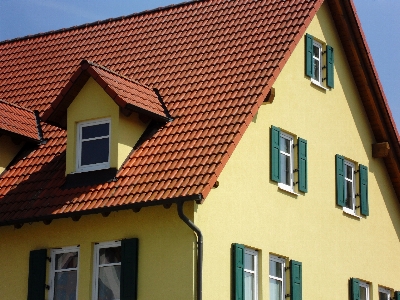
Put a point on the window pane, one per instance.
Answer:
(383, 296)
(95, 151)
(349, 172)
(65, 285)
(95, 131)
(275, 289)
(316, 51)
(248, 286)
(363, 293)
(66, 260)
(109, 255)
(275, 269)
(284, 145)
(248, 262)
(285, 169)
(109, 281)
(349, 194)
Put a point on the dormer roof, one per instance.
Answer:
(127, 93)
(20, 122)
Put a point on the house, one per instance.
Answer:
(206, 150)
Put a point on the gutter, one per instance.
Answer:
(199, 249)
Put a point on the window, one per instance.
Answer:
(359, 289)
(107, 272)
(276, 278)
(64, 273)
(384, 294)
(346, 188)
(283, 161)
(93, 145)
(314, 62)
(115, 270)
(245, 272)
(317, 58)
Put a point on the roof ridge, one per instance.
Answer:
(99, 22)
(115, 73)
(16, 105)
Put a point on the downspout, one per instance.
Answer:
(199, 249)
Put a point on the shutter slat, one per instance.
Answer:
(238, 271)
(129, 268)
(37, 274)
(355, 289)
(296, 280)
(329, 66)
(363, 180)
(340, 199)
(302, 158)
(275, 154)
(309, 56)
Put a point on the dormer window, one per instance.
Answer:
(93, 145)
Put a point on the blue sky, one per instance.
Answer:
(379, 18)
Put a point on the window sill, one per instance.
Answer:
(350, 212)
(286, 188)
(314, 82)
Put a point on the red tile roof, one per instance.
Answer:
(127, 93)
(213, 63)
(18, 121)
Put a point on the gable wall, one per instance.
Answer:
(250, 209)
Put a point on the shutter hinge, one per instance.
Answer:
(294, 183)
(355, 172)
(356, 195)
(323, 52)
(294, 145)
(323, 67)
(48, 258)
(47, 287)
(323, 79)
(358, 206)
(295, 170)
(287, 268)
(287, 296)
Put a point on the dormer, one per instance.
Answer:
(105, 114)
(18, 126)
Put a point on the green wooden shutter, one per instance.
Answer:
(238, 271)
(397, 296)
(355, 289)
(295, 280)
(340, 198)
(309, 56)
(37, 274)
(329, 66)
(129, 268)
(302, 158)
(275, 154)
(363, 180)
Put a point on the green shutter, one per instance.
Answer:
(397, 296)
(355, 289)
(295, 280)
(275, 154)
(329, 66)
(364, 190)
(302, 157)
(309, 56)
(129, 268)
(238, 271)
(37, 274)
(340, 199)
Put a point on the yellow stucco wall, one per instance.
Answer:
(8, 150)
(166, 244)
(250, 209)
(92, 103)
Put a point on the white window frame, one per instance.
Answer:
(254, 272)
(350, 210)
(53, 271)
(317, 81)
(97, 166)
(283, 279)
(96, 265)
(384, 291)
(365, 285)
(287, 187)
